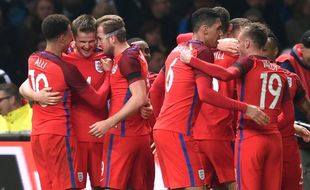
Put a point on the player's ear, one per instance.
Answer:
(205, 29)
(230, 28)
(62, 38)
(112, 39)
(302, 47)
(247, 43)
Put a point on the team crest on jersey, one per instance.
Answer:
(98, 66)
(80, 176)
(201, 174)
(114, 68)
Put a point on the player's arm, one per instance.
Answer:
(301, 100)
(44, 96)
(157, 92)
(76, 81)
(225, 44)
(228, 45)
(131, 69)
(207, 95)
(303, 132)
(138, 98)
(287, 108)
(240, 67)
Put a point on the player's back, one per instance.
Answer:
(264, 86)
(296, 92)
(121, 75)
(181, 103)
(83, 114)
(214, 122)
(46, 70)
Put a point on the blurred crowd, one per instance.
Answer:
(158, 22)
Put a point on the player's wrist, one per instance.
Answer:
(112, 122)
(35, 97)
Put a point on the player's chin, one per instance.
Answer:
(87, 53)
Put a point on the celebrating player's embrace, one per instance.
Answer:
(225, 108)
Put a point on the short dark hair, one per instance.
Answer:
(54, 25)
(136, 39)
(113, 23)
(11, 90)
(84, 23)
(273, 38)
(257, 32)
(203, 16)
(239, 23)
(305, 39)
(224, 17)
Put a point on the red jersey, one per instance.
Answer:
(157, 92)
(300, 68)
(264, 85)
(214, 122)
(128, 67)
(298, 94)
(48, 70)
(181, 103)
(84, 115)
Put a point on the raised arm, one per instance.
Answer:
(241, 66)
(207, 95)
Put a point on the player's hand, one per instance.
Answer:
(146, 111)
(228, 45)
(153, 148)
(46, 97)
(100, 128)
(106, 64)
(302, 132)
(185, 55)
(257, 115)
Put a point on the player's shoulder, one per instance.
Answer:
(131, 54)
(69, 57)
(284, 57)
(198, 46)
(99, 55)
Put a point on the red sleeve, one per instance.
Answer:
(300, 94)
(75, 80)
(184, 37)
(207, 95)
(157, 92)
(215, 70)
(129, 65)
(287, 114)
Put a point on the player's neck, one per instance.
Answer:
(196, 37)
(254, 52)
(54, 49)
(120, 48)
